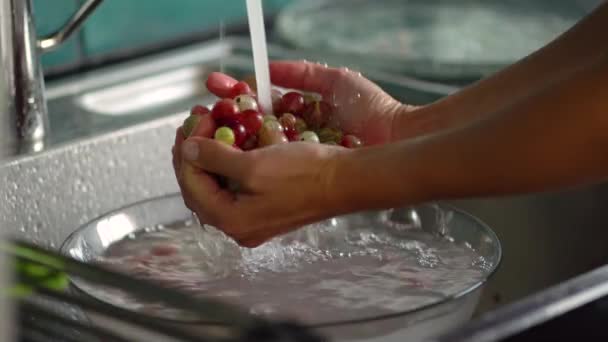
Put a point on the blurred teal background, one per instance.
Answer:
(122, 24)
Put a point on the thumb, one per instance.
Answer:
(203, 194)
(216, 157)
(304, 76)
(205, 127)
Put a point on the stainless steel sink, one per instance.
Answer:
(112, 130)
(111, 134)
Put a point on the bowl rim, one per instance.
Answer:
(337, 323)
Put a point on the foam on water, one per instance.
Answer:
(317, 274)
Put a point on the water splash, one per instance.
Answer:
(331, 272)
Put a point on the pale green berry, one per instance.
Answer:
(246, 102)
(328, 134)
(300, 125)
(225, 135)
(312, 97)
(309, 136)
(273, 125)
(271, 133)
(269, 117)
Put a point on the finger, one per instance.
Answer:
(179, 135)
(205, 127)
(216, 157)
(203, 194)
(174, 161)
(178, 175)
(177, 148)
(185, 195)
(304, 76)
(220, 84)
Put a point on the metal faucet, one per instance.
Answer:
(24, 120)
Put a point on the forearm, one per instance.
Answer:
(576, 47)
(557, 138)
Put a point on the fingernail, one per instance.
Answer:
(190, 150)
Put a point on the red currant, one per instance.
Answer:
(241, 88)
(199, 110)
(288, 121)
(225, 112)
(251, 143)
(351, 141)
(240, 133)
(292, 134)
(292, 102)
(252, 120)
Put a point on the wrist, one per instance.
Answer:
(412, 121)
(376, 177)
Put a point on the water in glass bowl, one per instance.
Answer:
(320, 273)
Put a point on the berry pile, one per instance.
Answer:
(296, 117)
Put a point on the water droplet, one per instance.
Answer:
(354, 99)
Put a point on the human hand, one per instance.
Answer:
(282, 186)
(361, 107)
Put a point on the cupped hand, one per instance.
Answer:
(361, 107)
(282, 187)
